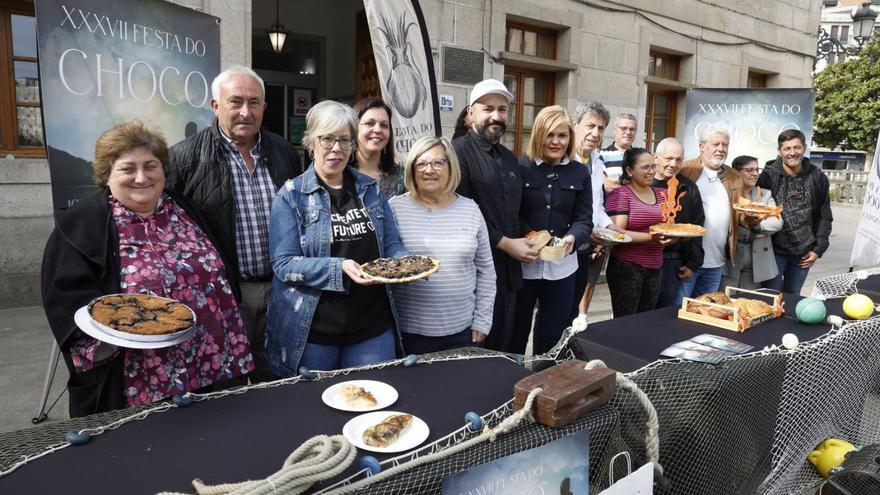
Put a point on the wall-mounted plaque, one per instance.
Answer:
(462, 66)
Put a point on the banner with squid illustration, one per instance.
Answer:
(406, 69)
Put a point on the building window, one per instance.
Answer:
(756, 80)
(660, 116)
(663, 65)
(21, 123)
(529, 40)
(841, 33)
(532, 91)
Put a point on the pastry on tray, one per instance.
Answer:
(358, 397)
(399, 270)
(678, 230)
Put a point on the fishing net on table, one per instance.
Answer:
(841, 285)
(741, 427)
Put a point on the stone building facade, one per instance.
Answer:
(635, 56)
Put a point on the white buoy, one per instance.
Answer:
(790, 341)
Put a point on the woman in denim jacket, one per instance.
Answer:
(323, 314)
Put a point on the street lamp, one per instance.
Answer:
(277, 33)
(863, 27)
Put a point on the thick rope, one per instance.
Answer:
(490, 434)
(652, 437)
(317, 459)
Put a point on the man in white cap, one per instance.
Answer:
(490, 176)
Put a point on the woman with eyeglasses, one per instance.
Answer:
(557, 197)
(324, 314)
(453, 308)
(635, 269)
(754, 261)
(375, 152)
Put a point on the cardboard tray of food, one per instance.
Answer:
(734, 309)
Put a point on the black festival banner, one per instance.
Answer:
(103, 63)
(406, 69)
(754, 118)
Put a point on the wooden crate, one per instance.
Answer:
(739, 322)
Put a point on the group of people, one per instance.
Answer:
(268, 252)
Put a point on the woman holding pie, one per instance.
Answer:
(134, 238)
(634, 269)
(557, 198)
(324, 314)
(454, 307)
(754, 261)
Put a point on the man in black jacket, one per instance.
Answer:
(231, 171)
(680, 259)
(490, 176)
(802, 190)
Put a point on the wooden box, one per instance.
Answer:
(740, 320)
(568, 392)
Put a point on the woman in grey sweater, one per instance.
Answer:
(454, 307)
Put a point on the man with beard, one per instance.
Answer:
(802, 189)
(490, 176)
(719, 186)
(231, 171)
(680, 259)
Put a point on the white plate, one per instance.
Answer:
(385, 395)
(607, 235)
(412, 437)
(141, 337)
(85, 323)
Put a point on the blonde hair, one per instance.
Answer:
(418, 149)
(549, 118)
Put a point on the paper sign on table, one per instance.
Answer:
(640, 482)
(562, 466)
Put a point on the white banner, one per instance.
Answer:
(406, 70)
(866, 247)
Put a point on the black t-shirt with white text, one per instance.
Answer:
(364, 311)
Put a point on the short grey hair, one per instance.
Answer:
(667, 142)
(235, 70)
(418, 149)
(328, 116)
(707, 131)
(626, 116)
(590, 108)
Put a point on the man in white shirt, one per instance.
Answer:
(719, 187)
(590, 120)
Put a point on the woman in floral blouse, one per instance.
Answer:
(132, 237)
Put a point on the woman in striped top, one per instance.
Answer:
(634, 269)
(454, 307)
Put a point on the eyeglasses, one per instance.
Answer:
(438, 164)
(328, 142)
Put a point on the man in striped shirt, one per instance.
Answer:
(231, 171)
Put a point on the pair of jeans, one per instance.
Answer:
(424, 344)
(554, 303)
(703, 281)
(503, 314)
(791, 276)
(670, 285)
(633, 288)
(334, 357)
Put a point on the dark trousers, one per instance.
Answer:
(587, 273)
(633, 288)
(423, 344)
(670, 285)
(502, 319)
(554, 299)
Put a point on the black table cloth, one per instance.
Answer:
(629, 343)
(870, 287)
(248, 436)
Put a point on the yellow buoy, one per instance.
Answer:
(829, 454)
(858, 306)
